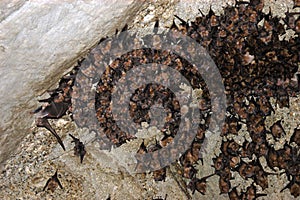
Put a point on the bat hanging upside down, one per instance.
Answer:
(53, 110)
(52, 183)
(79, 149)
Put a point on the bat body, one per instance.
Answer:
(54, 110)
(79, 149)
(52, 183)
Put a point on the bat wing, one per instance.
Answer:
(56, 110)
(72, 136)
(57, 180)
(42, 122)
(76, 140)
(60, 185)
(47, 184)
(37, 110)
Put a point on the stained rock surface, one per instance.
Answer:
(39, 41)
(39, 156)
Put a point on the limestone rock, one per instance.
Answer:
(39, 40)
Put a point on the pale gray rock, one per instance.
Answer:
(39, 41)
(37, 157)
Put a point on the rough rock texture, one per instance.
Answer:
(38, 155)
(39, 41)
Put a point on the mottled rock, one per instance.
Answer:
(39, 41)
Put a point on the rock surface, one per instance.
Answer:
(38, 155)
(39, 41)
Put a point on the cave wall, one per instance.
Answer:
(39, 42)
